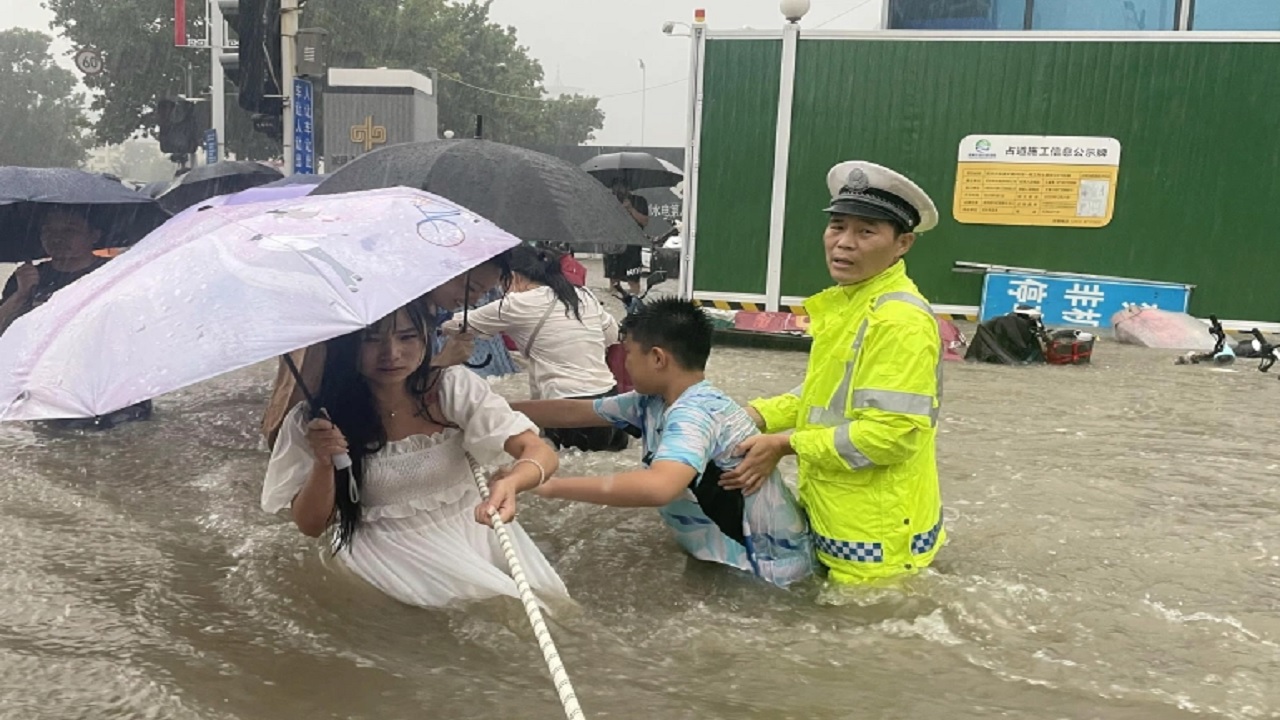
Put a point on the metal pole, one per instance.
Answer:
(217, 80)
(689, 209)
(288, 68)
(1185, 14)
(781, 161)
(644, 97)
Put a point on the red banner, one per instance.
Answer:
(771, 322)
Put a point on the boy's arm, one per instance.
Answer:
(561, 413)
(685, 449)
(654, 487)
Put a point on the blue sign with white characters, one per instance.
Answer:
(304, 149)
(1076, 301)
(210, 146)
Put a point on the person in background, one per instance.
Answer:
(563, 331)
(865, 417)
(69, 236)
(691, 432)
(451, 295)
(401, 517)
(628, 264)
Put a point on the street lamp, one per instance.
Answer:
(668, 28)
(794, 10)
(644, 92)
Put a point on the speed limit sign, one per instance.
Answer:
(89, 61)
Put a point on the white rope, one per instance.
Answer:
(549, 653)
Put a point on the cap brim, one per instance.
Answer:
(864, 210)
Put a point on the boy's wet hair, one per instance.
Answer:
(677, 326)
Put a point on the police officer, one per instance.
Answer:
(865, 418)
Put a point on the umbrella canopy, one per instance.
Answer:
(220, 178)
(223, 288)
(637, 169)
(262, 193)
(297, 179)
(154, 189)
(531, 195)
(124, 216)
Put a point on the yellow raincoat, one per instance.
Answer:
(865, 424)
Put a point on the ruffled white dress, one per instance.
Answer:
(418, 540)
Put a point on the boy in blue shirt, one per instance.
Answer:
(690, 431)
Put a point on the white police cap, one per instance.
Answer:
(868, 190)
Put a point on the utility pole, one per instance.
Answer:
(217, 80)
(288, 70)
(644, 92)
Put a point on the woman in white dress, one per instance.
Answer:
(452, 295)
(562, 330)
(405, 511)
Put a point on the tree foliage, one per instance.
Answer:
(469, 51)
(457, 39)
(137, 160)
(42, 121)
(142, 66)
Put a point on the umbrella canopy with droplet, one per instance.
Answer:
(124, 216)
(221, 178)
(534, 196)
(638, 170)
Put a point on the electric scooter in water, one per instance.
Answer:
(633, 302)
(1222, 353)
(1266, 353)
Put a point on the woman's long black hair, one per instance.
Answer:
(346, 396)
(543, 267)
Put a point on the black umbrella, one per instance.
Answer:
(637, 169)
(123, 215)
(536, 197)
(220, 178)
(153, 189)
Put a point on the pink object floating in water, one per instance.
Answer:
(1155, 328)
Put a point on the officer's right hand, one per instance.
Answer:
(760, 457)
(326, 440)
(28, 279)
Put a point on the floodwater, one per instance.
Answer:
(1114, 554)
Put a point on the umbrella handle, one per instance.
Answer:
(341, 461)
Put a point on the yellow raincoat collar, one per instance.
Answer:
(838, 297)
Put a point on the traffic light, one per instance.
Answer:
(177, 125)
(255, 66)
(270, 125)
